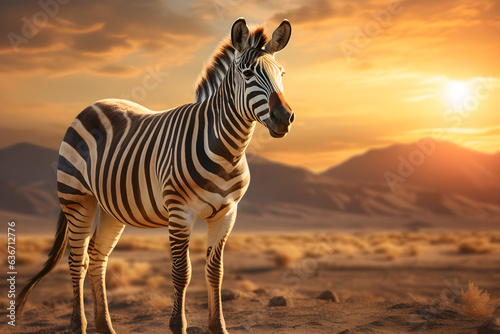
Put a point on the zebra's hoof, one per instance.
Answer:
(104, 327)
(77, 328)
(177, 325)
(217, 329)
(107, 330)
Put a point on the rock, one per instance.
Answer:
(491, 326)
(227, 295)
(329, 295)
(259, 291)
(277, 301)
(346, 331)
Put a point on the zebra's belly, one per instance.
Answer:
(140, 212)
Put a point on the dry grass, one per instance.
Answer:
(121, 273)
(34, 244)
(247, 285)
(31, 250)
(346, 249)
(416, 249)
(391, 251)
(198, 244)
(236, 243)
(160, 302)
(495, 238)
(445, 239)
(481, 245)
(317, 251)
(155, 281)
(23, 257)
(285, 257)
(476, 301)
(143, 243)
(286, 249)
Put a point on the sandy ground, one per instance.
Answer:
(385, 284)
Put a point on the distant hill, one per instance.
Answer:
(28, 179)
(274, 185)
(442, 167)
(447, 181)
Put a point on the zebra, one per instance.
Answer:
(128, 165)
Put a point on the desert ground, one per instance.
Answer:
(376, 282)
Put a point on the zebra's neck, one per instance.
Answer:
(229, 132)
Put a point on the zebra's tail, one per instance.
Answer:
(57, 251)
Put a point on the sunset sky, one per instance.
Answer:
(359, 74)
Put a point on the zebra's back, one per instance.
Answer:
(111, 151)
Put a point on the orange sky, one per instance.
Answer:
(360, 74)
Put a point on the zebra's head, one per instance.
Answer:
(258, 78)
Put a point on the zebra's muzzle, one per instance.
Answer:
(281, 116)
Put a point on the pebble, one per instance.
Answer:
(329, 295)
(227, 295)
(277, 301)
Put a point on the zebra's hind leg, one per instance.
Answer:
(180, 233)
(106, 235)
(218, 231)
(80, 217)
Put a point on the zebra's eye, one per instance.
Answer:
(248, 74)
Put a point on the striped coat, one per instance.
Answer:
(132, 166)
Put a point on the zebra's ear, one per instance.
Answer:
(240, 34)
(280, 39)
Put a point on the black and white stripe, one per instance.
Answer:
(173, 168)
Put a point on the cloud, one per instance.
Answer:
(98, 42)
(118, 70)
(440, 37)
(46, 37)
(314, 12)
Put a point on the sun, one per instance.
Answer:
(455, 92)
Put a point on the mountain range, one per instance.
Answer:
(421, 179)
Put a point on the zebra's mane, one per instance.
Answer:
(214, 72)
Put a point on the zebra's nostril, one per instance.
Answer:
(274, 118)
(292, 118)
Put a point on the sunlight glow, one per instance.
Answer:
(456, 91)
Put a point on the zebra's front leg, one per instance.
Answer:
(106, 235)
(180, 234)
(218, 231)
